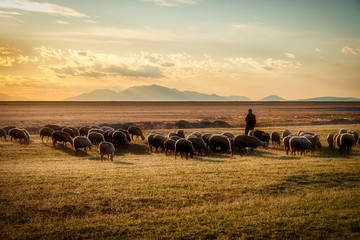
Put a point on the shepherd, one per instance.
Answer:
(250, 121)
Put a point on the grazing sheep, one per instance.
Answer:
(108, 135)
(169, 145)
(181, 133)
(45, 132)
(299, 144)
(68, 130)
(336, 141)
(245, 141)
(184, 146)
(286, 141)
(158, 142)
(84, 131)
(228, 134)
(206, 137)
(7, 129)
(150, 138)
(137, 132)
(219, 143)
(275, 138)
(60, 136)
(119, 139)
(95, 126)
(343, 130)
(75, 131)
(347, 141)
(126, 133)
(286, 133)
(330, 140)
(54, 127)
(355, 134)
(175, 138)
(96, 138)
(96, 130)
(81, 142)
(171, 134)
(3, 134)
(261, 135)
(197, 134)
(303, 133)
(106, 148)
(19, 133)
(198, 144)
(105, 128)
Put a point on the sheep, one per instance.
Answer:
(150, 138)
(45, 132)
(158, 142)
(184, 146)
(198, 144)
(299, 144)
(96, 138)
(336, 141)
(75, 131)
(303, 133)
(219, 143)
(19, 133)
(286, 133)
(261, 135)
(108, 135)
(54, 127)
(119, 139)
(169, 145)
(81, 142)
(106, 128)
(206, 137)
(3, 134)
(84, 131)
(197, 134)
(245, 141)
(136, 131)
(95, 127)
(347, 141)
(355, 134)
(60, 136)
(106, 148)
(343, 130)
(330, 140)
(228, 134)
(171, 134)
(175, 138)
(181, 133)
(7, 129)
(286, 141)
(251, 133)
(70, 131)
(126, 133)
(275, 138)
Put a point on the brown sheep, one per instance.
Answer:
(300, 144)
(81, 142)
(60, 136)
(119, 139)
(245, 141)
(158, 142)
(169, 145)
(107, 148)
(184, 146)
(347, 141)
(175, 138)
(286, 133)
(7, 129)
(96, 138)
(54, 127)
(126, 133)
(220, 143)
(70, 131)
(19, 133)
(198, 144)
(84, 131)
(275, 138)
(286, 141)
(181, 133)
(230, 135)
(45, 132)
(330, 140)
(137, 132)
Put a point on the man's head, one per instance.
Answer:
(250, 110)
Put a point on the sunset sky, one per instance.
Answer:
(51, 50)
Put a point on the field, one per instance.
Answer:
(48, 193)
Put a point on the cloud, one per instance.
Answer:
(318, 49)
(173, 3)
(269, 64)
(10, 56)
(48, 8)
(346, 49)
(61, 22)
(290, 55)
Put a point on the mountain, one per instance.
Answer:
(5, 97)
(331, 99)
(152, 93)
(273, 98)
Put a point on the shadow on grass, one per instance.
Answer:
(135, 149)
(65, 149)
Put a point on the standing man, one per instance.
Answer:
(250, 121)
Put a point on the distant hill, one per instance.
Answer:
(5, 97)
(331, 99)
(273, 98)
(152, 93)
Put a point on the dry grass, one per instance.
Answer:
(48, 193)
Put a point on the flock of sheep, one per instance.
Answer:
(108, 140)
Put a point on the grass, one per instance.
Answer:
(48, 193)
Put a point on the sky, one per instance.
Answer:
(52, 49)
